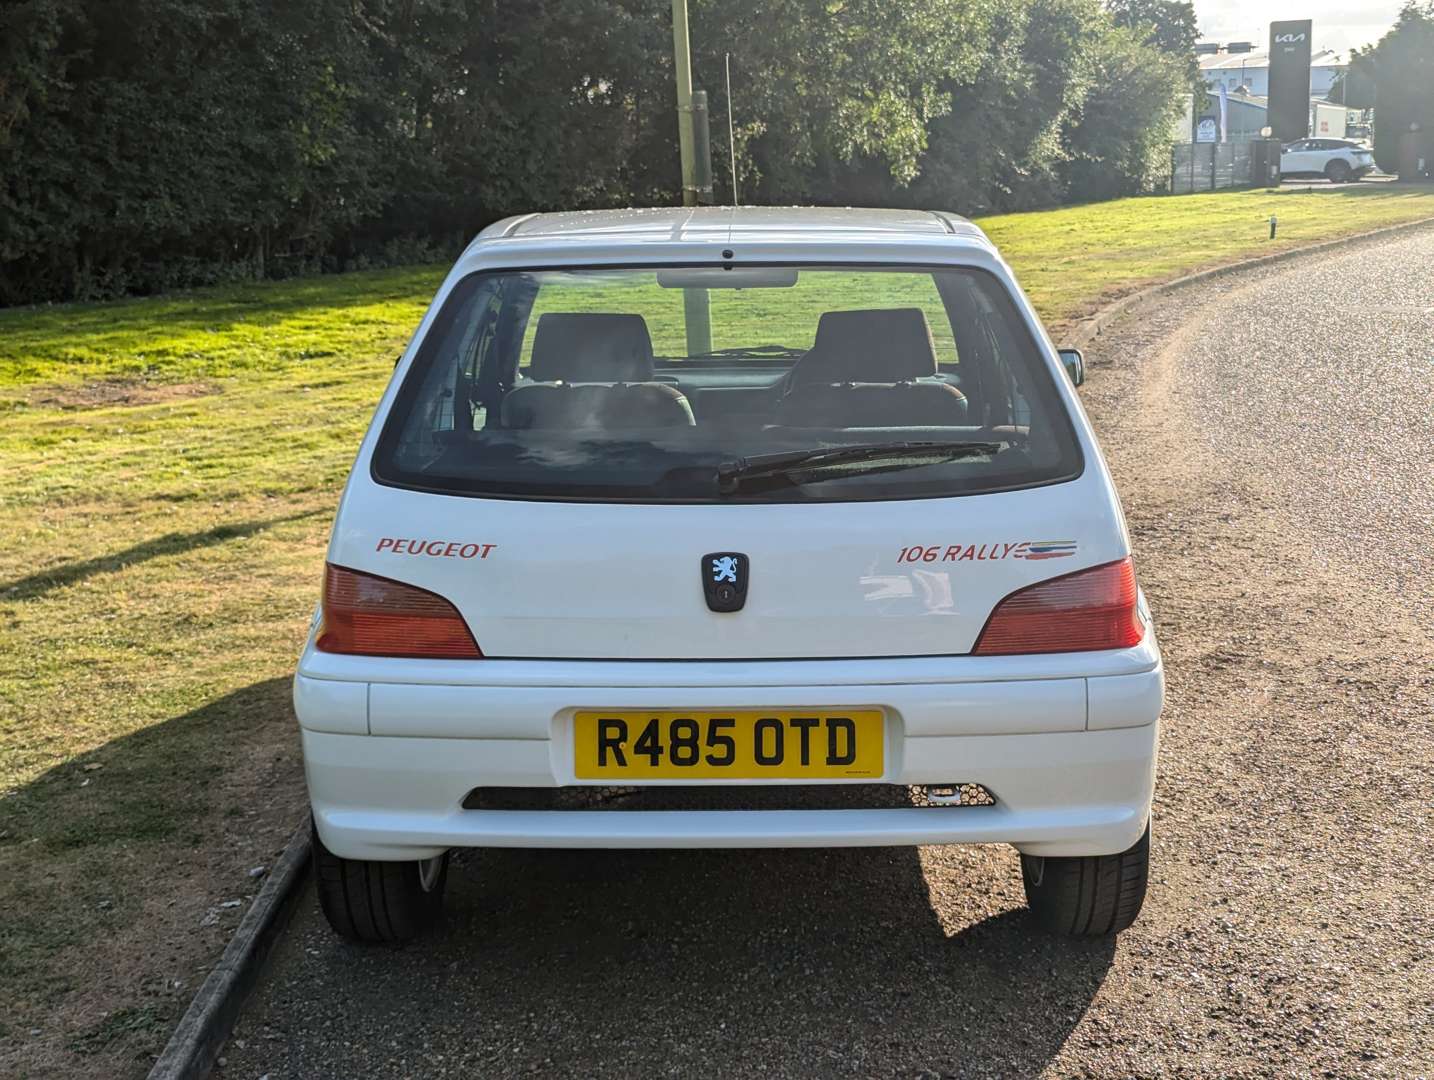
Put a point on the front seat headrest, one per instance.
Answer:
(591, 347)
(870, 345)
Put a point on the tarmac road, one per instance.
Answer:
(1272, 436)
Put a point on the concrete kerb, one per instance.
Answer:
(206, 1024)
(1084, 331)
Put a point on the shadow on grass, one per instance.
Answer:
(717, 963)
(57, 577)
(106, 860)
(147, 786)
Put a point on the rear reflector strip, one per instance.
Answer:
(1090, 609)
(366, 615)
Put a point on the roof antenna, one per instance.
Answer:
(731, 138)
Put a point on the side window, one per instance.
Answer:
(1012, 392)
(990, 384)
(447, 398)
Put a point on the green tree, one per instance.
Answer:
(523, 107)
(1401, 68)
(1119, 139)
(1068, 104)
(179, 134)
(999, 147)
(29, 40)
(148, 144)
(835, 100)
(1168, 25)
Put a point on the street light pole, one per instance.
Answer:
(696, 309)
(731, 136)
(682, 63)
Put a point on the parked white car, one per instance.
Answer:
(730, 528)
(1338, 160)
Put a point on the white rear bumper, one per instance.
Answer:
(1070, 761)
(1082, 793)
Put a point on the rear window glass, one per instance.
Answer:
(704, 384)
(737, 317)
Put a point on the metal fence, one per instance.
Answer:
(1209, 166)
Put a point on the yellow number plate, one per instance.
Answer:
(742, 745)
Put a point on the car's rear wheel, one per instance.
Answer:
(369, 901)
(1088, 896)
(1338, 172)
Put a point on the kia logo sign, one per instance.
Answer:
(1289, 79)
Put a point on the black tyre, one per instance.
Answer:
(1088, 896)
(379, 901)
(1339, 172)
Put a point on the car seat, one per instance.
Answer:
(863, 371)
(593, 370)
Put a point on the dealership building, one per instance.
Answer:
(1240, 65)
(1247, 114)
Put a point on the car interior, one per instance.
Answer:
(867, 368)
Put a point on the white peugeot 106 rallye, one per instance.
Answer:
(730, 528)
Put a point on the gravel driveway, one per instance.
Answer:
(1273, 438)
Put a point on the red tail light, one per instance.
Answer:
(1090, 609)
(372, 616)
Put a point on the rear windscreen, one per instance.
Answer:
(705, 384)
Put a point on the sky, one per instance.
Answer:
(1338, 24)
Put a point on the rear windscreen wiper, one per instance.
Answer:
(767, 471)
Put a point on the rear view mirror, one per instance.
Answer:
(721, 277)
(1073, 360)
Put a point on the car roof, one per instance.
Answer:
(733, 224)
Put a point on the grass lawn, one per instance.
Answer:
(170, 470)
(1073, 260)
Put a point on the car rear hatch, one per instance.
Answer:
(591, 581)
(916, 458)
